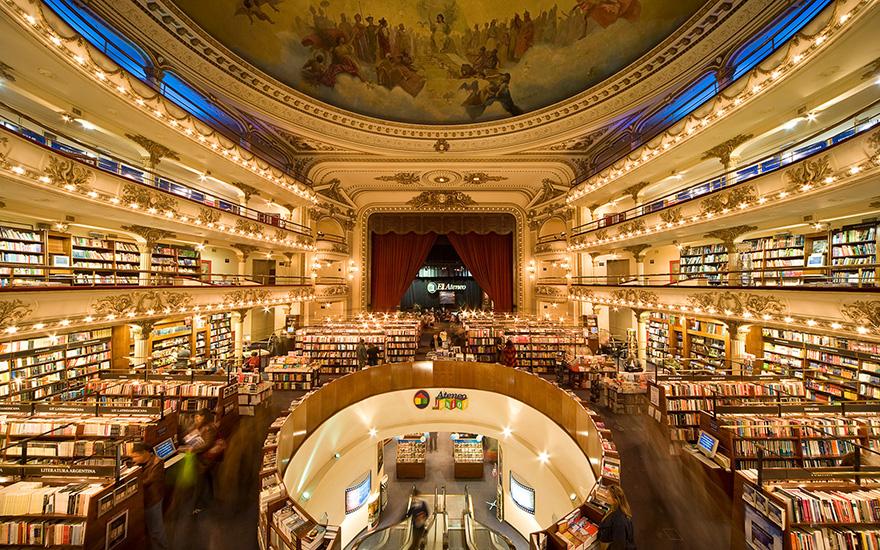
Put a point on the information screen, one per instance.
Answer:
(357, 494)
(523, 495)
(707, 444)
(447, 297)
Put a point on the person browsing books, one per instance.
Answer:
(616, 530)
(153, 480)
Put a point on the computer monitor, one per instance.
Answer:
(707, 444)
(165, 449)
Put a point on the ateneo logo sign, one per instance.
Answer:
(444, 401)
(433, 287)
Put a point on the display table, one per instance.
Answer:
(467, 456)
(626, 394)
(411, 456)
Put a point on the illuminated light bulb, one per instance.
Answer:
(12, 330)
(100, 75)
(811, 323)
(861, 330)
(18, 170)
(64, 322)
(39, 326)
(114, 200)
(55, 40)
(543, 457)
(783, 194)
(88, 319)
(836, 326)
(120, 89)
(797, 58)
(373, 432)
(30, 19)
(787, 319)
(854, 170)
(79, 59)
(766, 317)
(819, 39)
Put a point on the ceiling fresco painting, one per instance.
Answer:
(440, 61)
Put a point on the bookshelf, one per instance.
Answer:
(53, 367)
(537, 347)
(166, 339)
(708, 343)
(221, 336)
(401, 343)
(467, 456)
(854, 245)
(665, 337)
(481, 343)
(253, 392)
(175, 260)
(832, 367)
(411, 453)
(786, 252)
(706, 259)
(675, 401)
(334, 348)
(293, 372)
(25, 249)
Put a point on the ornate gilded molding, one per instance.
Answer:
(874, 141)
(133, 304)
(635, 296)
(245, 249)
(403, 178)
(68, 173)
(632, 226)
(728, 200)
(150, 234)
(442, 146)
(6, 72)
(551, 293)
(602, 234)
(584, 294)
(247, 226)
(633, 190)
(209, 215)
(724, 150)
(730, 234)
(12, 312)
(736, 303)
(157, 151)
(637, 251)
(335, 290)
(865, 313)
(246, 296)
(441, 200)
(147, 199)
(808, 172)
(671, 215)
(548, 191)
(479, 178)
(248, 190)
(300, 294)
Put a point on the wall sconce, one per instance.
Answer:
(531, 269)
(352, 269)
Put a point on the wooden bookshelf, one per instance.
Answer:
(705, 259)
(221, 338)
(786, 252)
(293, 372)
(175, 260)
(854, 245)
(334, 348)
(708, 343)
(166, 339)
(26, 250)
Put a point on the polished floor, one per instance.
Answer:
(672, 507)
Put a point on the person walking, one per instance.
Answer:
(372, 355)
(153, 480)
(203, 442)
(361, 354)
(418, 513)
(508, 355)
(616, 530)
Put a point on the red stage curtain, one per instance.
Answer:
(395, 263)
(489, 258)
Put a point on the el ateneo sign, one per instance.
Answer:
(443, 401)
(433, 287)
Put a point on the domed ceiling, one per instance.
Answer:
(440, 61)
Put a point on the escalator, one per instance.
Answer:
(478, 536)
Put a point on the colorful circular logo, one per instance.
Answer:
(431, 287)
(422, 399)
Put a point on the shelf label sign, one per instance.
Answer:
(443, 401)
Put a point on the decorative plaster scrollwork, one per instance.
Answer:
(248, 190)
(633, 190)
(737, 303)
(245, 249)
(441, 200)
(157, 151)
(602, 234)
(863, 312)
(635, 295)
(300, 294)
(723, 151)
(441, 145)
(478, 178)
(12, 311)
(631, 226)
(68, 173)
(335, 290)
(719, 202)
(145, 198)
(403, 178)
(582, 294)
(637, 251)
(247, 226)
(208, 216)
(730, 234)
(874, 141)
(246, 296)
(6, 72)
(808, 172)
(150, 302)
(150, 234)
(671, 215)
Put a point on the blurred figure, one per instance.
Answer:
(616, 530)
(361, 354)
(418, 513)
(508, 355)
(202, 441)
(372, 355)
(183, 356)
(252, 363)
(153, 479)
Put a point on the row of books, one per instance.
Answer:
(48, 533)
(835, 538)
(135, 388)
(814, 506)
(34, 498)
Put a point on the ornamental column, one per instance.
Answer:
(237, 325)
(727, 237)
(638, 253)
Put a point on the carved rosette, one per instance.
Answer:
(737, 303)
(12, 312)
(719, 202)
(68, 174)
(132, 304)
(147, 199)
(808, 172)
(441, 200)
(865, 313)
(246, 296)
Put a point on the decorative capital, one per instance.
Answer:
(633, 190)
(441, 200)
(633, 226)
(728, 200)
(150, 234)
(730, 234)
(637, 251)
(12, 311)
(249, 191)
(808, 172)
(864, 313)
(724, 150)
(149, 303)
(157, 151)
(245, 249)
(671, 215)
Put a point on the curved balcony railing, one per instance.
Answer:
(86, 279)
(26, 127)
(799, 278)
(778, 160)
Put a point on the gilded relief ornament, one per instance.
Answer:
(548, 191)
(863, 312)
(637, 251)
(248, 226)
(300, 294)
(335, 290)
(602, 234)
(246, 296)
(208, 216)
(479, 178)
(248, 190)
(441, 145)
(245, 249)
(633, 190)
(730, 234)
(403, 178)
(145, 198)
(441, 200)
(737, 303)
(631, 226)
(808, 172)
(68, 174)
(12, 312)
(874, 141)
(157, 151)
(723, 151)
(719, 202)
(583, 294)
(150, 234)
(151, 302)
(635, 296)
(671, 215)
